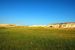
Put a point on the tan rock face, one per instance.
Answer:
(63, 25)
(7, 25)
(59, 25)
(68, 25)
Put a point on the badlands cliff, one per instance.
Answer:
(7, 25)
(63, 25)
(57, 25)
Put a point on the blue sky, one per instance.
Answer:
(38, 12)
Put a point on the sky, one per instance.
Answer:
(36, 12)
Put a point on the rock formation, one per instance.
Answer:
(63, 25)
(7, 25)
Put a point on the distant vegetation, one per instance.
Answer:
(36, 38)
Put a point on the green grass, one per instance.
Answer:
(25, 38)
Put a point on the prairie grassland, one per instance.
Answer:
(30, 38)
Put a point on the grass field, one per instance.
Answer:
(25, 38)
